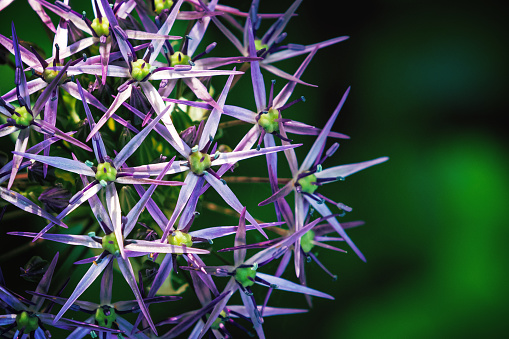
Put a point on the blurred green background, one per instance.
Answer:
(428, 82)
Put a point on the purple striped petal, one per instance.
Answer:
(164, 30)
(256, 74)
(43, 285)
(62, 163)
(345, 170)
(288, 53)
(233, 157)
(113, 205)
(68, 239)
(20, 146)
(89, 277)
(285, 285)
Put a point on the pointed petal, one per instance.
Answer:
(43, 127)
(62, 163)
(89, 277)
(285, 285)
(345, 170)
(27, 205)
(127, 272)
(320, 141)
(164, 30)
(289, 53)
(113, 204)
(20, 146)
(324, 211)
(43, 285)
(256, 74)
(281, 193)
(210, 129)
(233, 157)
(69, 239)
(240, 239)
(240, 113)
(119, 99)
(231, 199)
(157, 247)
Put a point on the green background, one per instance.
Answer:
(428, 82)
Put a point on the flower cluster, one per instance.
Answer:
(144, 103)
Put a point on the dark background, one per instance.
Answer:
(428, 82)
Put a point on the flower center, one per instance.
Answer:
(49, 75)
(105, 172)
(27, 322)
(140, 69)
(259, 45)
(24, 118)
(307, 185)
(179, 238)
(105, 316)
(244, 276)
(161, 5)
(101, 26)
(199, 162)
(110, 244)
(179, 58)
(306, 242)
(268, 121)
(218, 321)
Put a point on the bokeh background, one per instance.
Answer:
(429, 84)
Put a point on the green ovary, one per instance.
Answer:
(178, 58)
(24, 118)
(105, 172)
(180, 238)
(140, 69)
(161, 5)
(268, 121)
(307, 184)
(199, 162)
(110, 244)
(218, 321)
(259, 45)
(242, 275)
(101, 26)
(27, 322)
(105, 316)
(49, 75)
(306, 242)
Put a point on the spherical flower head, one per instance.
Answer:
(179, 58)
(110, 244)
(306, 242)
(24, 118)
(307, 184)
(161, 5)
(243, 275)
(27, 322)
(105, 316)
(105, 171)
(199, 162)
(218, 321)
(179, 238)
(101, 26)
(140, 69)
(268, 121)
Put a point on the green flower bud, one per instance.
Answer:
(306, 242)
(268, 121)
(161, 5)
(27, 322)
(242, 275)
(110, 244)
(180, 238)
(307, 184)
(101, 26)
(259, 45)
(105, 316)
(49, 75)
(178, 58)
(199, 162)
(105, 172)
(218, 321)
(140, 69)
(24, 118)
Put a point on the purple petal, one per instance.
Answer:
(144, 246)
(20, 146)
(62, 163)
(164, 30)
(324, 211)
(240, 113)
(231, 199)
(345, 170)
(281, 193)
(320, 141)
(233, 157)
(210, 129)
(240, 239)
(288, 53)
(69, 239)
(27, 205)
(119, 99)
(113, 204)
(89, 277)
(106, 285)
(127, 272)
(256, 74)
(285, 285)
(43, 285)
